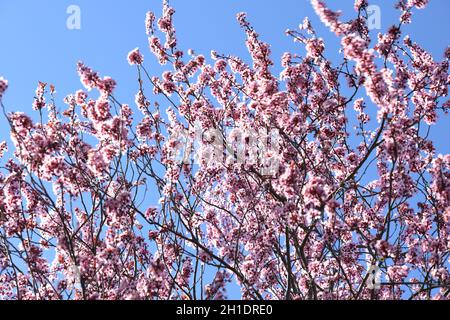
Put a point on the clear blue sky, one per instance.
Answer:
(36, 45)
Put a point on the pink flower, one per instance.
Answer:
(106, 85)
(96, 162)
(360, 4)
(90, 79)
(80, 97)
(39, 100)
(419, 4)
(149, 21)
(3, 148)
(135, 57)
(329, 18)
(314, 48)
(3, 86)
(242, 19)
(281, 183)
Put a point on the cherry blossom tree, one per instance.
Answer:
(290, 186)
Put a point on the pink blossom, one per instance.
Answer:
(3, 86)
(135, 57)
(3, 148)
(419, 4)
(288, 184)
(328, 17)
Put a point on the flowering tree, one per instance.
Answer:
(291, 186)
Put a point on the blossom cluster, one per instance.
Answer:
(3, 86)
(291, 185)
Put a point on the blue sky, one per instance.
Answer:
(37, 46)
